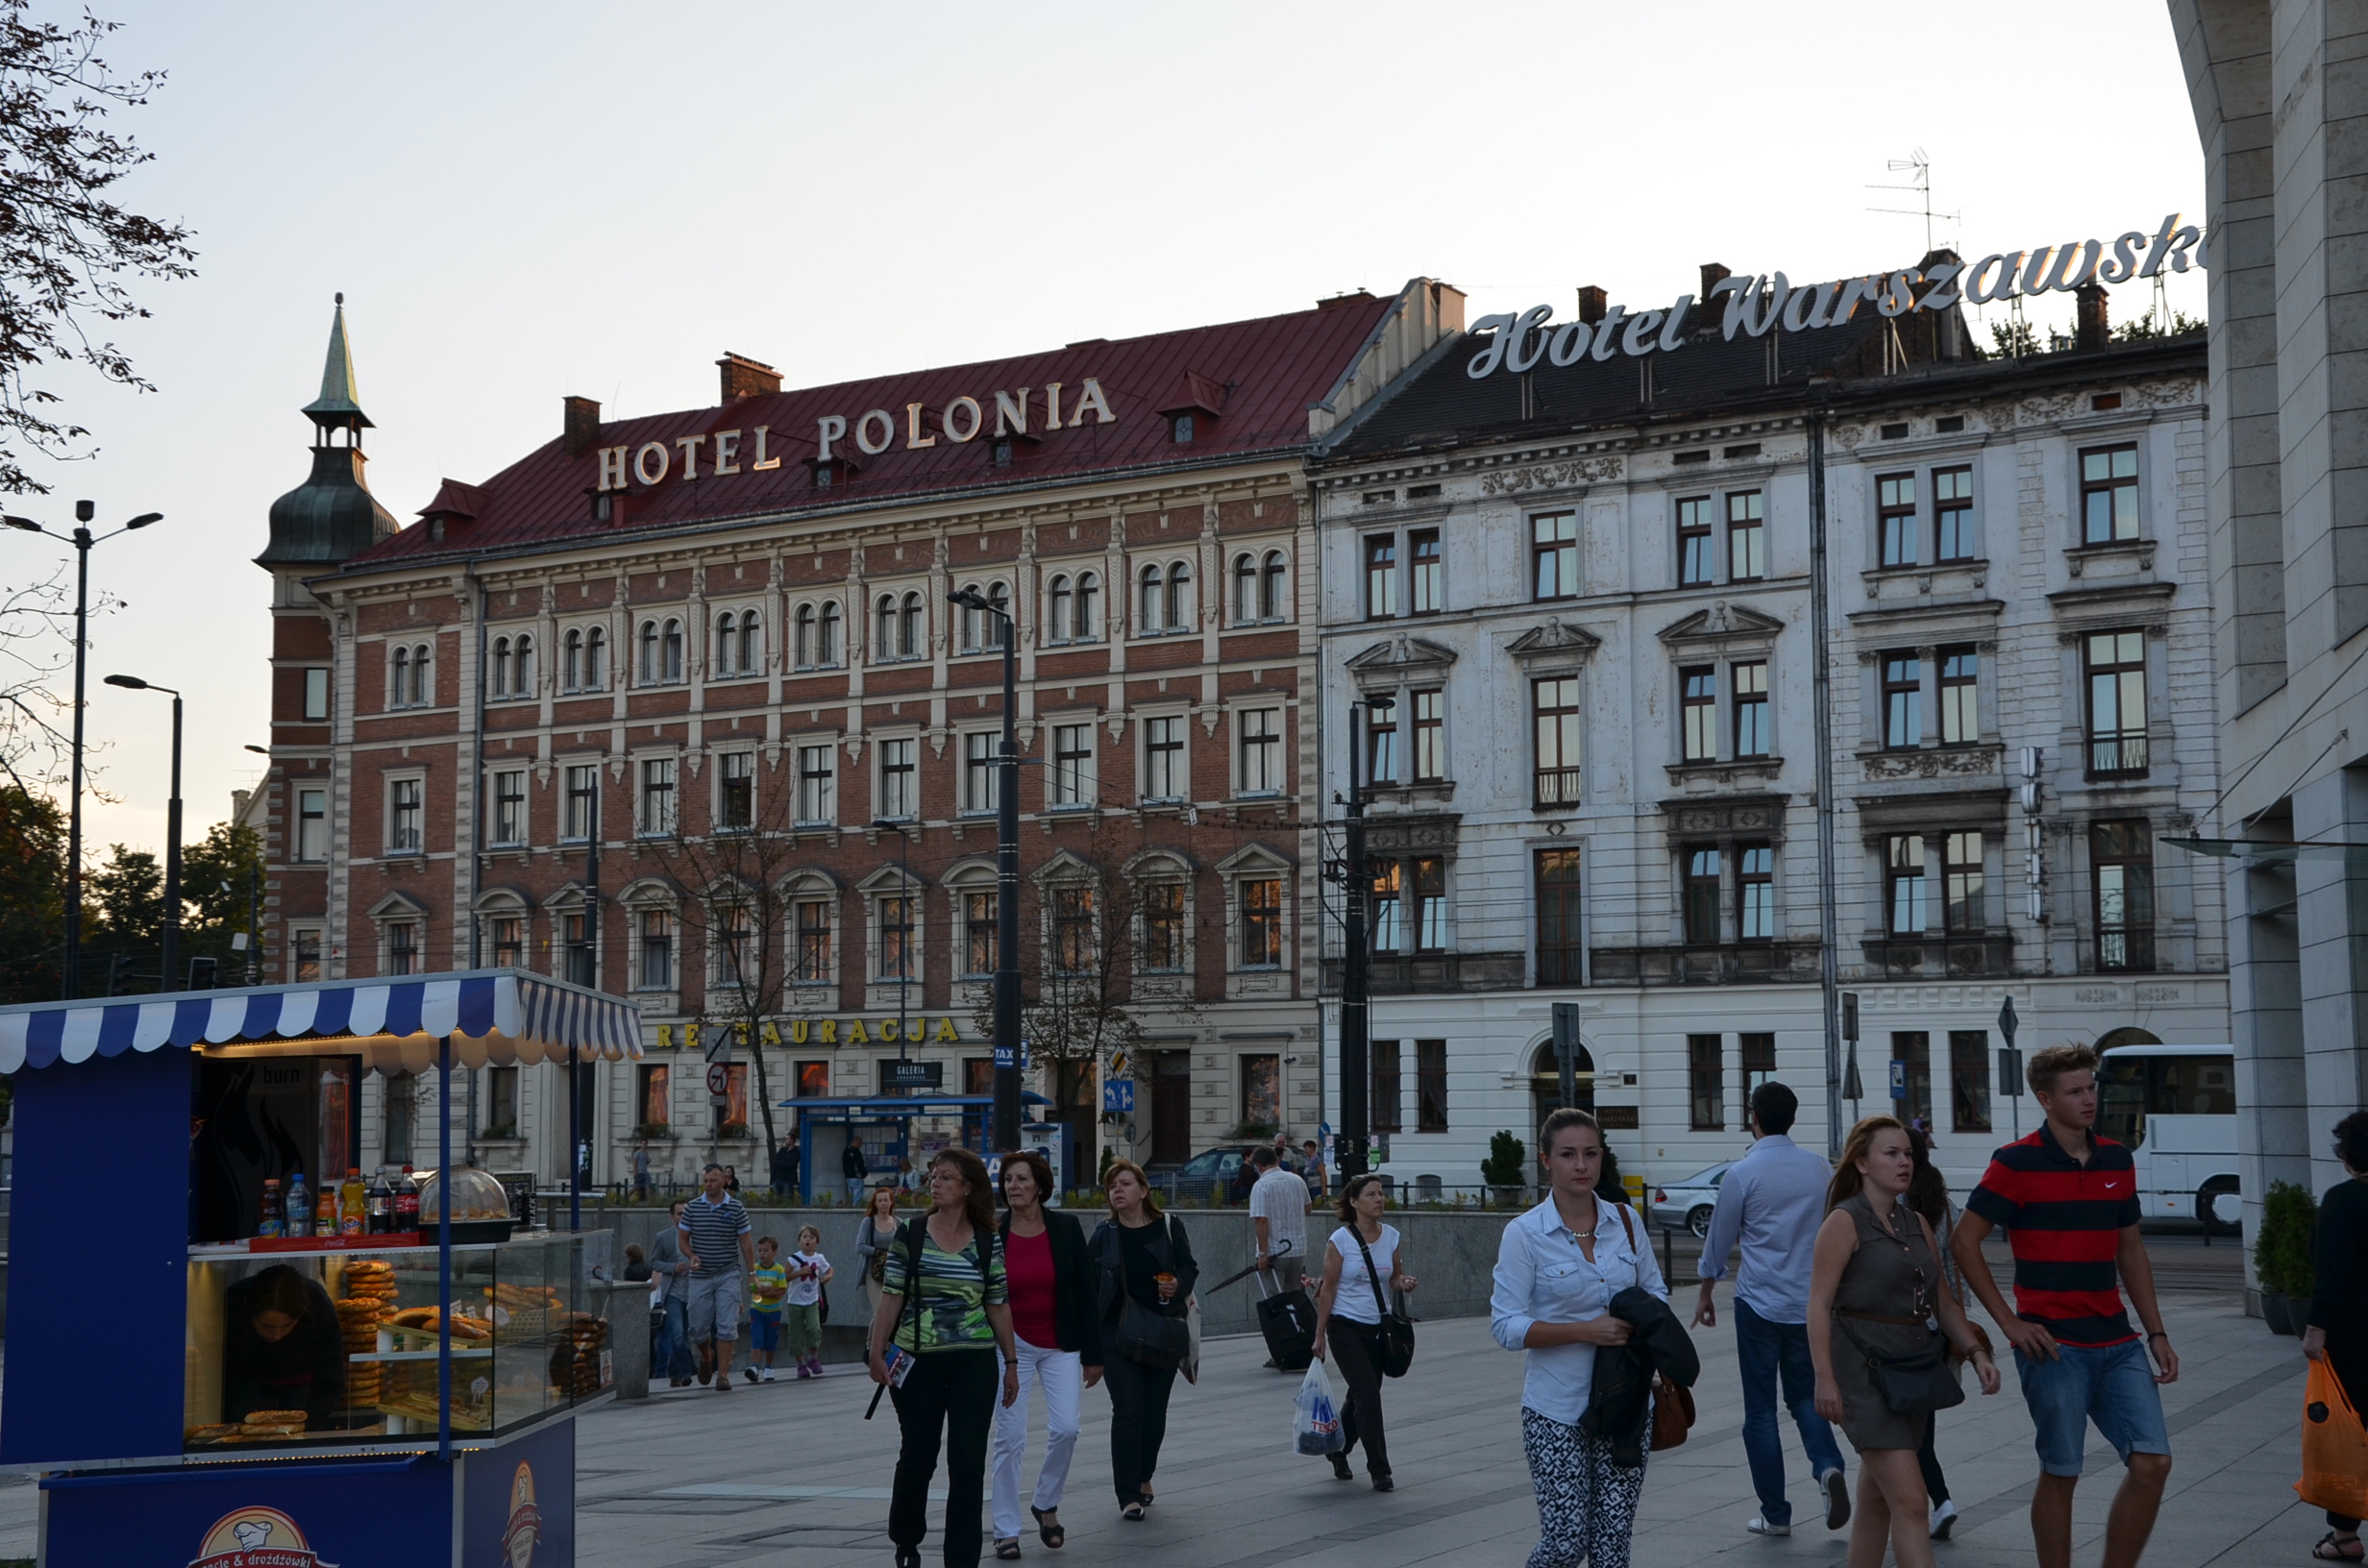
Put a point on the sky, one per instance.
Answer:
(526, 201)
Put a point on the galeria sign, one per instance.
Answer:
(1756, 306)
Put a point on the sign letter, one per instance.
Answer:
(726, 452)
(887, 433)
(912, 430)
(855, 1035)
(690, 454)
(1638, 339)
(944, 1030)
(613, 468)
(1982, 287)
(1485, 362)
(1605, 341)
(1529, 339)
(2170, 244)
(1568, 345)
(1673, 335)
(1052, 406)
(641, 462)
(763, 462)
(826, 1032)
(1899, 294)
(978, 417)
(1094, 400)
(831, 427)
(1011, 413)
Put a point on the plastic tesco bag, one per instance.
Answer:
(2335, 1447)
(1315, 1425)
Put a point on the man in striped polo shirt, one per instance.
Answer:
(714, 1230)
(2068, 1199)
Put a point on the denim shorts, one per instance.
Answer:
(2112, 1385)
(764, 1331)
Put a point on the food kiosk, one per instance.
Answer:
(195, 1391)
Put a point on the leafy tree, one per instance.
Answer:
(2014, 339)
(216, 874)
(128, 893)
(36, 704)
(32, 894)
(2144, 330)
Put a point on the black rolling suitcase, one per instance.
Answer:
(1288, 1320)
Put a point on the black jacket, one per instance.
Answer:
(1617, 1406)
(1170, 1244)
(1076, 1285)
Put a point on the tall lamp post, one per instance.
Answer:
(171, 942)
(912, 923)
(82, 539)
(1007, 1132)
(1354, 1141)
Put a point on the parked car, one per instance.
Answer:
(1687, 1205)
(1219, 1175)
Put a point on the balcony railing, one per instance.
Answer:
(1941, 958)
(2117, 754)
(1404, 975)
(2126, 949)
(1558, 786)
(1724, 964)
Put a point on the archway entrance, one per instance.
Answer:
(2124, 1036)
(1545, 1086)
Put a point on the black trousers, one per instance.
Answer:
(2347, 1357)
(952, 1391)
(1138, 1422)
(1356, 1349)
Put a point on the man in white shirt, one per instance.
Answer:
(1278, 1213)
(1773, 1199)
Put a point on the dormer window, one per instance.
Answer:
(998, 452)
(1180, 429)
(823, 476)
(1198, 402)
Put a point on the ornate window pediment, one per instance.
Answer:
(1400, 661)
(1723, 630)
(1553, 647)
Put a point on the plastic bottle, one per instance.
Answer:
(406, 1202)
(382, 1201)
(325, 1210)
(267, 1224)
(298, 1223)
(353, 1203)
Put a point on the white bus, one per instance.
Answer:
(2175, 1106)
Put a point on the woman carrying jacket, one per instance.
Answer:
(1352, 1299)
(1056, 1320)
(1145, 1260)
(874, 1233)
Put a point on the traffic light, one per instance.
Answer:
(201, 973)
(118, 970)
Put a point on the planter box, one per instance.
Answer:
(2286, 1314)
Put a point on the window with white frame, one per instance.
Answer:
(1071, 778)
(893, 950)
(497, 669)
(410, 677)
(317, 695)
(912, 630)
(654, 948)
(1164, 598)
(405, 814)
(1164, 769)
(816, 785)
(304, 956)
(980, 931)
(657, 796)
(735, 792)
(812, 921)
(982, 630)
(884, 628)
(980, 769)
(509, 671)
(1430, 745)
(1261, 731)
(582, 805)
(584, 656)
(1245, 589)
(734, 957)
(1166, 947)
(505, 938)
(1071, 605)
(739, 644)
(1261, 902)
(311, 825)
(401, 948)
(816, 644)
(662, 651)
(1274, 587)
(510, 806)
(899, 793)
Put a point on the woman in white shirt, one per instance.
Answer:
(1558, 1267)
(1362, 1264)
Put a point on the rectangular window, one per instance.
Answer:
(308, 957)
(1554, 555)
(577, 942)
(1261, 751)
(1755, 870)
(405, 814)
(506, 935)
(1387, 921)
(402, 947)
(311, 825)
(1429, 580)
(2121, 857)
(510, 806)
(1384, 1114)
(979, 923)
(813, 1080)
(1162, 926)
(736, 944)
(735, 792)
(813, 955)
(1903, 855)
(584, 794)
(1895, 518)
(1262, 1089)
(1072, 930)
(1969, 1080)
(978, 1075)
(899, 795)
(1702, 890)
(658, 797)
(1953, 514)
(1381, 754)
(734, 1111)
(979, 766)
(2108, 494)
(1430, 737)
(1902, 701)
(317, 695)
(1262, 922)
(1960, 713)
(1912, 1048)
(1380, 577)
(656, 967)
(1554, 704)
(1560, 932)
(1746, 536)
(896, 939)
(1430, 1086)
(816, 786)
(1694, 542)
(1430, 905)
(1163, 759)
(1705, 1088)
(1751, 711)
(2116, 663)
(1758, 1054)
(656, 1096)
(1698, 712)
(1073, 765)
(1962, 905)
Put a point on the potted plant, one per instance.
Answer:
(2282, 1255)
(1506, 1168)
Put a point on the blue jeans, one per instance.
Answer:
(2112, 1385)
(1765, 1351)
(677, 1362)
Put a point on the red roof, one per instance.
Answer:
(1267, 371)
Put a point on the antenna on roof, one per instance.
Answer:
(1919, 169)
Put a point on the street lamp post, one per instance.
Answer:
(1006, 1131)
(171, 940)
(82, 539)
(912, 923)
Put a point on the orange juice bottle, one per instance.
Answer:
(352, 1203)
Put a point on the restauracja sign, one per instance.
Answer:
(1756, 306)
(776, 1032)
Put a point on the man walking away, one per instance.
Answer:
(2068, 1199)
(714, 1229)
(1311, 1167)
(1774, 1199)
(854, 1169)
(1278, 1213)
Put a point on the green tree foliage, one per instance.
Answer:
(32, 894)
(2281, 1254)
(1507, 1163)
(127, 895)
(2145, 329)
(2014, 339)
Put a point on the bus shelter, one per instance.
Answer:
(885, 1123)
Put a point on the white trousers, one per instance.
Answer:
(1061, 1375)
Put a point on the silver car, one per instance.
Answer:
(1687, 1205)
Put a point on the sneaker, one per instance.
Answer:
(768, 1374)
(816, 1364)
(1945, 1520)
(1760, 1526)
(805, 1371)
(1837, 1498)
(752, 1374)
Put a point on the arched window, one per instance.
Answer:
(887, 619)
(970, 618)
(1151, 604)
(1245, 590)
(595, 660)
(422, 691)
(998, 595)
(752, 645)
(826, 650)
(571, 661)
(400, 694)
(726, 644)
(1179, 596)
(521, 668)
(674, 649)
(1059, 609)
(650, 667)
(803, 649)
(1089, 607)
(1272, 605)
(497, 674)
(913, 637)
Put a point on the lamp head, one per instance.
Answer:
(969, 599)
(261, 750)
(86, 510)
(130, 683)
(144, 519)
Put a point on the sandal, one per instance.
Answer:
(1131, 1512)
(2330, 1549)
(1052, 1534)
(1007, 1547)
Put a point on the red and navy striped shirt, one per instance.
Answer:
(2064, 1220)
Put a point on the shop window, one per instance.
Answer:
(1428, 583)
(1705, 1091)
(400, 1118)
(730, 1119)
(1554, 707)
(1554, 555)
(1904, 884)
(1953, 514)
(1902, 701)
(1746, 536)
(2108, 494)
(2121, 872)
(1262, 1089)
(1969, 1080)
(1694, 542)
(1895, 513)
(1698, 712)
(813, 1080)
(1560, 953)
(656, 1098)
(1960, 711)
(1430, 1086)
(500, 1103)
(1383, 1112)
(2116, 668)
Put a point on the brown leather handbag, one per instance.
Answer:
(1672, 1413)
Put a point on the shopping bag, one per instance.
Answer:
(1316, 1427)
(2335, 1447)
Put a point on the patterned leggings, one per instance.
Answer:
(1587, 1505)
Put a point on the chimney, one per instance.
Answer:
(1591, 302)
(2090, 329)
(1712, 273)
(747, 377)
(579, 432)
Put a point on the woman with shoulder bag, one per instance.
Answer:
(1361, 1256)
(1056, 1320)
(1875, 1288)
(945, 1306)
(1927, 1194)
(1147, 1277)
(874, 1233)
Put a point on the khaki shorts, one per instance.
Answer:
(715, 1306)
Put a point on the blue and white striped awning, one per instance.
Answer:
(492, 1017)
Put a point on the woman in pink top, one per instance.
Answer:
(1056, 1323)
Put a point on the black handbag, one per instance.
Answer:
(1145, 1336)
(1397, 1333)
(1917, 1384)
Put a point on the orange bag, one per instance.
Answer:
(2335, 1447)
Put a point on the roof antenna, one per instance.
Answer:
(1919, 169)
